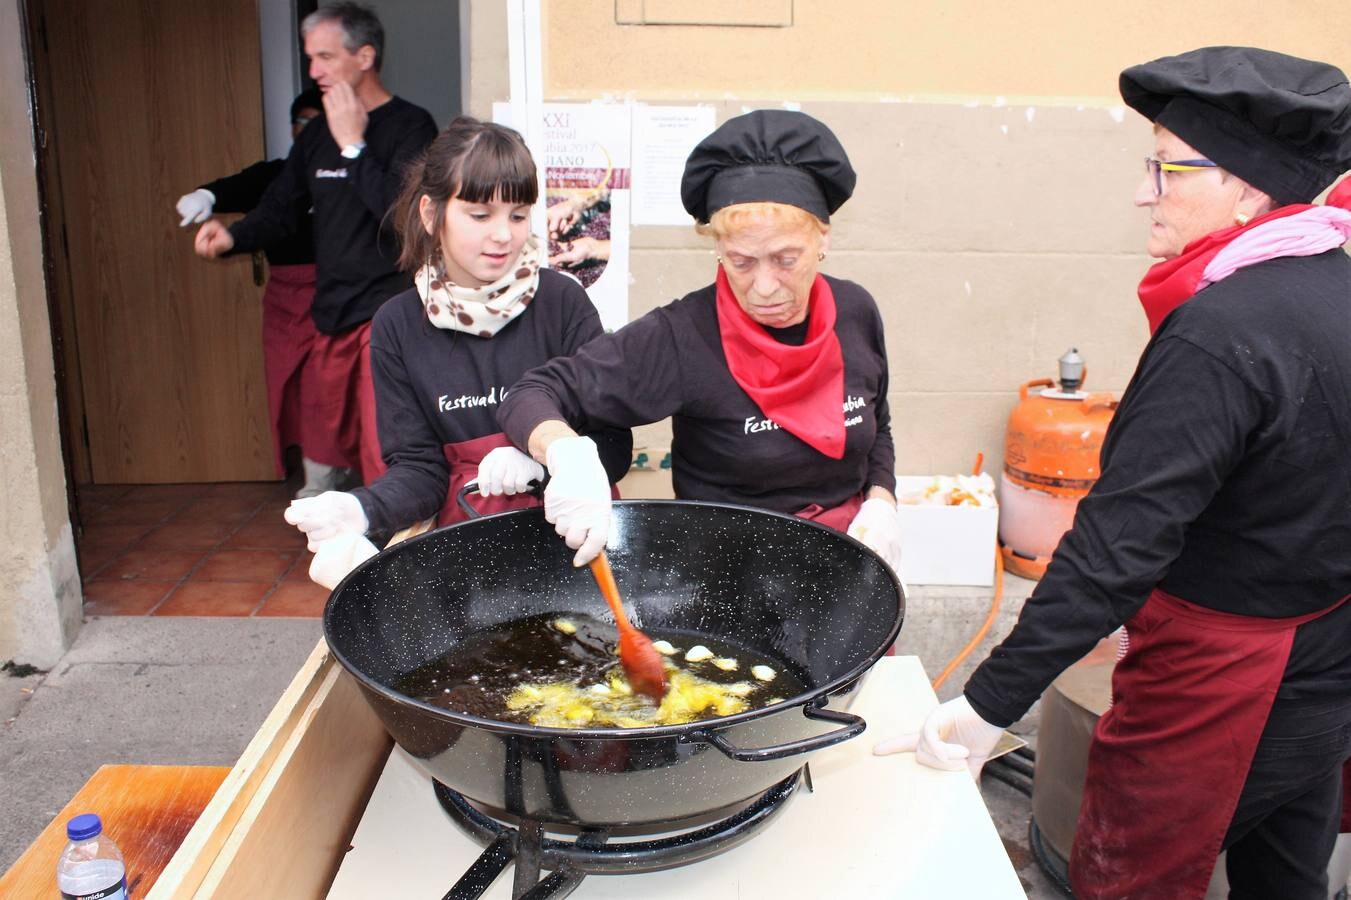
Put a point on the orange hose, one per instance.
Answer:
(989, 617)
(985, 626)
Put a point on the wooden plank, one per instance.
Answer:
(308, 771)
(292, 838)
(199, 849)
(146, 810)
(412, 531)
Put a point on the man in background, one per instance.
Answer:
(347, 167)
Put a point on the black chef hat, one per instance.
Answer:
(1281, 123)
(773, 155)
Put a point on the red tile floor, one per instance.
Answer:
(193, 550)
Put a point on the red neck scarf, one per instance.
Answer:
(800, 388)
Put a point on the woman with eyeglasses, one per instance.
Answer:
(775, 375)
(1219, 533)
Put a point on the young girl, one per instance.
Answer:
(445, 354)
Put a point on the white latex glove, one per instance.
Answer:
(577, 498)
(337, 556)
(195, 207)
(953, 735)
(877, 527)
(506, 470)
(326, 516)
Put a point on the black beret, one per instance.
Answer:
(1281, 123)
(773, 155)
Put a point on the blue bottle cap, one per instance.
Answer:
(83, 827)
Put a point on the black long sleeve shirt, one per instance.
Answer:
(1226, 481)
(435, 387)
(240, 192)
(723, 448)
(355, 247)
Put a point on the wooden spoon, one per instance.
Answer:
(642, 663)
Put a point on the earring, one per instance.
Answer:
(718, 258)
(1242, 219)
(821, 257)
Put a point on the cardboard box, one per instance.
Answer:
(945, 544)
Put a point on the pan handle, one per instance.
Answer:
(469, 487)
(853, 728)
(462, 501)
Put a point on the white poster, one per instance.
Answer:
(585, 159)
(663, 137)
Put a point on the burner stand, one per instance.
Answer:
(570, 861)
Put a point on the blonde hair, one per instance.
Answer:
(733, 218)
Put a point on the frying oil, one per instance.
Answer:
(563, 671)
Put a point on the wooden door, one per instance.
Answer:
(146, 101)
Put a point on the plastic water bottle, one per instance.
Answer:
(91, 866)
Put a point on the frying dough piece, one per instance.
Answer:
(698, 653)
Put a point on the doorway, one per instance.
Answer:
(162, 366)
(174, 495)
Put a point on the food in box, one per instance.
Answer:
(948, 528)
(953, 490)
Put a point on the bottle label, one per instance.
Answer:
(116, 892)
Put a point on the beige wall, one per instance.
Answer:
(39, 586)
(869, 49)
(992, 219)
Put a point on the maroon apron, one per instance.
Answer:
(1169, 758)
(1346, 798)
(837, 517)
(288, 336)
(372, 461)
(340, 427)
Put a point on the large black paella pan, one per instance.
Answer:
(817, 603)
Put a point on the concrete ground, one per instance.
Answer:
(137, 689)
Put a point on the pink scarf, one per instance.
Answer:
(1299, 229)
(1308, 233)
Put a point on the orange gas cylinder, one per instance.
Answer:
(1050, 461)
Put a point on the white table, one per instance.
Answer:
(874, 827)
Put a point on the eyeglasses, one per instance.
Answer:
(1156, 168)
(302, 121)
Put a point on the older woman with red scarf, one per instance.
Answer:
(1219, 533)
(775, 375)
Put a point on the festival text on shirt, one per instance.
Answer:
(753, 425)
(495, 395)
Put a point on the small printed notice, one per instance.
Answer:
(663, 137)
